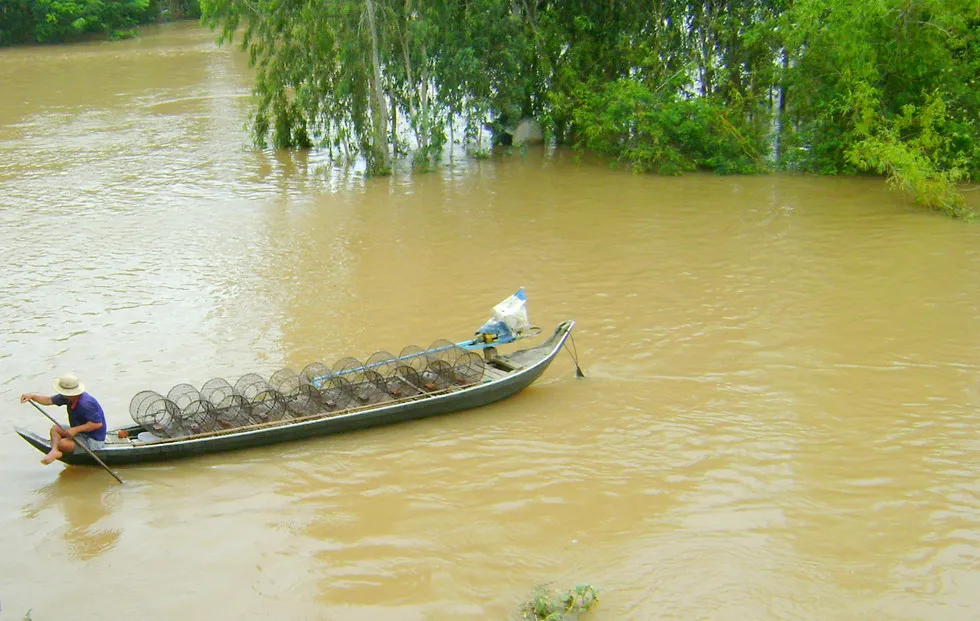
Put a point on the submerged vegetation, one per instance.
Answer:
(551, 605)
(836, 87)
(884, 87)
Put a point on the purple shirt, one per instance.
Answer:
(86, 410)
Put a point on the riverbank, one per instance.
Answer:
(27, 22)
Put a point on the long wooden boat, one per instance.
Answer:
(503, 375)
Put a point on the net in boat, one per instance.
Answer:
(371, 389)
(469, 368)
(315, 373)
(404, 381)
(231, 409)
(266, 404)
(350, 369)
(155, 413)
(438, 375)
(302, 398)
(335, 394)
(365, 383)
(444, 351)
(197, 415)
(317, 390)
(382, 363)
(322, 390)
(413, 356)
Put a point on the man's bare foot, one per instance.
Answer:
(51, 457)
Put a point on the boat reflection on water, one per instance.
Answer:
(81, 494)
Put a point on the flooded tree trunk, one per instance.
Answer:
(381, 153)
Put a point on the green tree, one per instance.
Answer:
(16, 21)
(669, 86)
(55, 21)
(841, 86)
(886, 86)
(58, 20)
(319, 72)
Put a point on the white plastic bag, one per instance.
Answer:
(512, 312)
(509, 320)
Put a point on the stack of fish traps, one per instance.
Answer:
(316, 390)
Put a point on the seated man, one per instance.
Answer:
(86, 420)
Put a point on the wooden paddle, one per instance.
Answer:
(79, 442)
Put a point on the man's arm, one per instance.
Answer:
(83, 428)
(36, 398)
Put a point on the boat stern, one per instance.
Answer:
(44, 445)
(41, 444)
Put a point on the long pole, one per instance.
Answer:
(87, 449)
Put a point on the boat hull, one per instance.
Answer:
(456, 400)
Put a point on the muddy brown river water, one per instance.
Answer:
(780, 418)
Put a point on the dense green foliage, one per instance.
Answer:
(315, 74)
(52, 21)
(889, 87)
(733, 86)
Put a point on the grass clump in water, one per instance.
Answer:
(551, 605)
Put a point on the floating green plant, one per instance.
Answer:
(553, 605)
